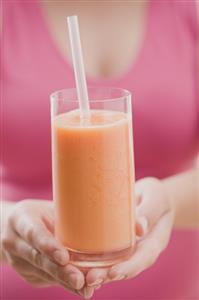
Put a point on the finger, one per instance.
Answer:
(95, 277)
(146, 252)
(31, 273)
(41, 238)
(37, 277)
(74, 276)
(87, 292)
(68, 274)
(39, 280)
(148, 207)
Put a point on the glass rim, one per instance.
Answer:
(126, 93)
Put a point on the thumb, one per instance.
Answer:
(152, 204)
(39, 237)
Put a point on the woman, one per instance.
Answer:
(150, 48)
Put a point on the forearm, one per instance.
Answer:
(183, 190)
(5, 208)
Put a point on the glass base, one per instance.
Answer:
(99, 260)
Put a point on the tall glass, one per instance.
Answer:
(93, 176)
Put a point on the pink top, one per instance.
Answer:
(165, 106)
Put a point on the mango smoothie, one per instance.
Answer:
(93, 181)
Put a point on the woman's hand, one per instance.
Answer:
(30, 247)
(155, 216)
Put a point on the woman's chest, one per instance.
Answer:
(162, 81)
(111, 35)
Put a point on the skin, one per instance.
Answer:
(163, 204)
(156, 206)
(30, 248)
(160, 204)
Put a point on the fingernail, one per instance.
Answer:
(143, 222)
(88, 292)
(96, 282)
(60, 257)
(74, 281)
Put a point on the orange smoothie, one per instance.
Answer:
(93, 181)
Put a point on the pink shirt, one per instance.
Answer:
(165, 120)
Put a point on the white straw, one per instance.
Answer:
(78, 65)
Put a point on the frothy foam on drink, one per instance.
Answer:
(98, 118)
